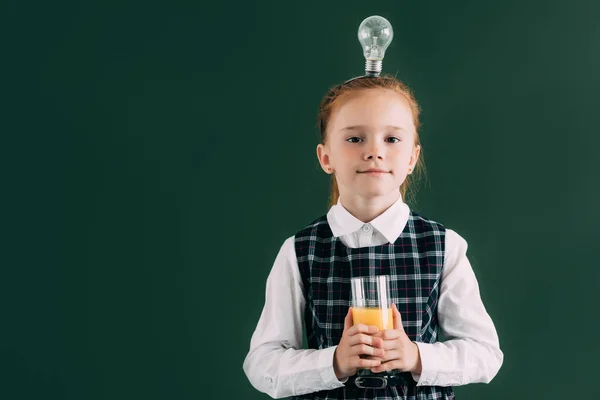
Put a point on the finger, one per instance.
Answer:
(364, 349)
(381, 368)
(363, 338)
(367, 339)
(397, 318)
(348, 319)
(388, 366)
(362, 328)
(377, 342)
(390, 355)
(366, 363)
(391, 334)
(372, 358)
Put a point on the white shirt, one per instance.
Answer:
(278, 366)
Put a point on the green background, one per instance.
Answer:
(155, 155)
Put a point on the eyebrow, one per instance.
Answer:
(363, 127)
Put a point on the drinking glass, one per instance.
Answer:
(371, 303)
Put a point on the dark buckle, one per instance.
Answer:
(371, 382)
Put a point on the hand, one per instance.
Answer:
(400, 352)
(356, 341)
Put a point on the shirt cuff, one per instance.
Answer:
(427, 375)
(327, 371)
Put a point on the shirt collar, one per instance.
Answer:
(390, 223)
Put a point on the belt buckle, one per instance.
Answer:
(370, 382)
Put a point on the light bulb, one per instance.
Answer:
(375, 34)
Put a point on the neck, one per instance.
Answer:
(367, 209)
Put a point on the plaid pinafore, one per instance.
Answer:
(414, 263)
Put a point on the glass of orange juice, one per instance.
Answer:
(371, 303)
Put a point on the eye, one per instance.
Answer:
(393, 140)
(354, 139)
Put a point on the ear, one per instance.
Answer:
(324, 159)
(414, 158)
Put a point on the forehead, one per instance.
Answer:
(372, 108)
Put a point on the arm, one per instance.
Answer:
(472, 352)
(276, 364)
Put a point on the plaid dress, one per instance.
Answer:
(414, 263)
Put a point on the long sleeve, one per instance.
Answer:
(472, 352)
(276, 363)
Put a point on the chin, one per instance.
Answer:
(379, 193)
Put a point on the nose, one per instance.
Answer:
(373, 152)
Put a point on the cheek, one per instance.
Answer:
(345, 153)
(402, 154)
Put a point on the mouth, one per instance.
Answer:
(373, 171)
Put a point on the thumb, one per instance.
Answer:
(397, 318)
(348, 320)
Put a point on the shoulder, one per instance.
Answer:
(455, 254)
(418, 219)
(288, 244)
(455, 243)
(285, 268)
(287, 252)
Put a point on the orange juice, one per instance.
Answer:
(373, 316)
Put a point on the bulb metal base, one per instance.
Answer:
(373, 67)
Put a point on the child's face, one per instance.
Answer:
(371, 130)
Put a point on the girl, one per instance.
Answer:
(370, 145)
